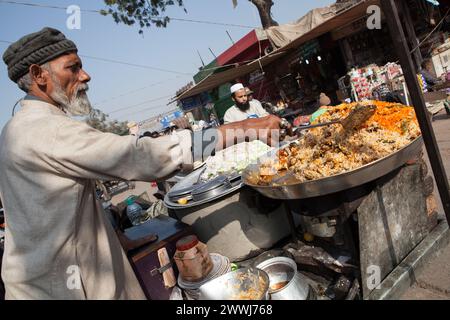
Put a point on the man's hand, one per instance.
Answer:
(272, 122)
(266, 129)
(273, 134)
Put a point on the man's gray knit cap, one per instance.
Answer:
(35, 48)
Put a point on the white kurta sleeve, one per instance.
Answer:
(81, 151)
(260, 109)
(227, 118)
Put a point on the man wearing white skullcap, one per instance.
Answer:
(242, 109)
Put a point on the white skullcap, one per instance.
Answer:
(236, 87)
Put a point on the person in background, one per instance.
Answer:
(322, 106)
(213, 120)
(252, 100)
(324, 100)
(242, 109)
(427, 73)
(133, 128)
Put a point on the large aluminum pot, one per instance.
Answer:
(241, 284)
(285, 282)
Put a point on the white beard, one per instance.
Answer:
(77, 105)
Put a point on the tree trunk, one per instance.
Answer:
(264, 9)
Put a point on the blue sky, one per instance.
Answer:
(127, 92)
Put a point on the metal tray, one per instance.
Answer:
(175, 195)
(191, 181)
(292, 189)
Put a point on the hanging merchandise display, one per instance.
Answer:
(375, 82)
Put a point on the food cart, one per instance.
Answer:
(367, 199)
(331, 215)
(353, 191)
(384, 200)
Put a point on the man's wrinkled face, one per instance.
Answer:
(240, 97)
(68, 85)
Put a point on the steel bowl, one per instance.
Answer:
(273, 253)
(242, 284)
(285, 283)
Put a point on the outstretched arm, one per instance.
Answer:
(245, 130)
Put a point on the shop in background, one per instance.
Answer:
(373, 82)
(298, 80)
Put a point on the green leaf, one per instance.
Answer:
(145, 12)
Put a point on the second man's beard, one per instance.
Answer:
(243, 106)
(77, 105)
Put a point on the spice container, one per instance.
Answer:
(192, 258)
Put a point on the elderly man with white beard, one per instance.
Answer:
(58, 242)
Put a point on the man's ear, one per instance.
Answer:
(38, 75)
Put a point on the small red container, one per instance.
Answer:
(192, 258)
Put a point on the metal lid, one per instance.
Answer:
(181, 193)
(210, 185)
(187, 242)
(192, 181)
(211, 189)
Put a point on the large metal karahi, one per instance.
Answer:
(293, 189)
(198, 193)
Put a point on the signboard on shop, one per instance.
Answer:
(256, 76)
(195, 101)
(308, 49)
